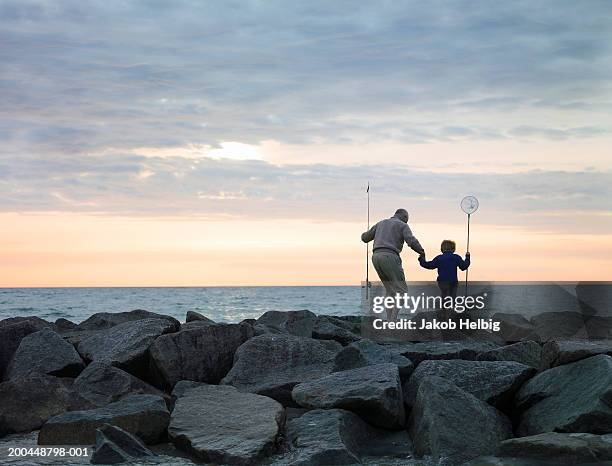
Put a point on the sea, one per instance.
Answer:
(233, 304)
(221, 304)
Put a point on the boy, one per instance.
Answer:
(447, 264)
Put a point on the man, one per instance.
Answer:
(389, 236)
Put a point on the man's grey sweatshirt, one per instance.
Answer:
(391, 234)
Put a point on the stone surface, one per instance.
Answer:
(11, 333)
(219, 424)
(494, 382)
(27, 402)
(557, 353)
(106, 320)
(333, 328)
(64, 325)
(560, 326)
(515, 327)
(572, 448)
(101, 384)
(116, 446)
(434, 350)
(193, 316)
(299, 323)
(367, 353)
(126, 345)
(180, 389)
(272, 365)
(525, 352)
(372, 392)
(450, 423)
(145, 416)
(575, 397)
(204, 353)
(337, 436)
(45, 352)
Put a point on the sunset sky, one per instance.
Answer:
(230, 143)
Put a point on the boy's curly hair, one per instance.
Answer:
(448, 246)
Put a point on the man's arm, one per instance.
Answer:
(412, 241)
(369, 235)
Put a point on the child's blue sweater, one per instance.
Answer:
(447, 264)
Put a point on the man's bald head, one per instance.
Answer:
(402, 214)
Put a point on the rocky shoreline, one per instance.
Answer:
(295, 388)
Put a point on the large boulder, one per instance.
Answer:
(45, 352)
(145, 416)
(448, 422)
(576, 397)
(515, 327)
(560, 326)
(575, 448)
(193, 316)
(12, 331)
(126, 345)
(64, 325)
(299, 323)
(334, 328)
(434, 350)
(106, 320)
(494, 382)
(367, 353)
(525, 352)
(116, 446)
(372, 392)
(557, 353)
(202, 353)
(27, 402)
(336, 436)
(101, 384)
(219, 424)
(272, 365)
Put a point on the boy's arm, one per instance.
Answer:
(431, 265)
(412, 241)
(369, 235)
(463, 264)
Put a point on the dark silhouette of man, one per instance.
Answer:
(389, 236)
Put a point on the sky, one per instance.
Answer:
(230, 143)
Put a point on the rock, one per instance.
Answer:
(101, 384)
(560, 326)
(434, 350)
(494, 382)
(193, 316)
(239, 428)
(202, 354)
(145, 416)
(27, 402)
(106, 320)
(272, 365)
(126, 345)
(368, 353)
(299, 323)
(34, 320)
(12, 331)
(557, 353)
(515, 327)
(575, 448)
(332, 328)
(372, 392)
(576, 397)
(115, 446)
(448, 422)
(180, 389)
(63, 325)
(336, 436)
(45, 352)
(525, 352)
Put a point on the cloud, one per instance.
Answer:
(171, 187)
(89, 75)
